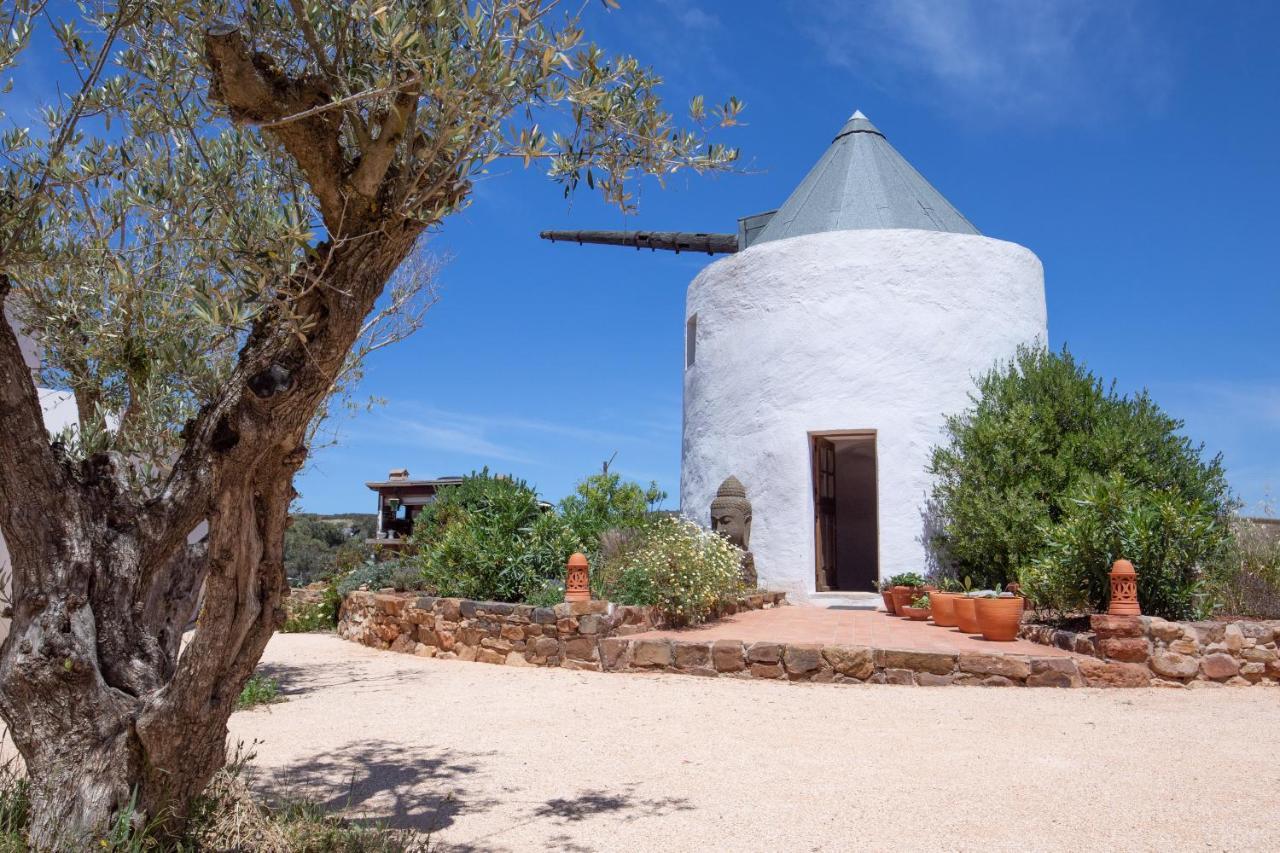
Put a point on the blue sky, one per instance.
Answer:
(1135, 147)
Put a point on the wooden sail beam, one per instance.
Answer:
(670, 241)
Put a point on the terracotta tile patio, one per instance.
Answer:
(831, 626)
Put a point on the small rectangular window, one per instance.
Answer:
(690, 341)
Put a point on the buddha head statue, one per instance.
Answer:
(731, 513)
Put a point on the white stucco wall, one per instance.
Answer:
(851, 330)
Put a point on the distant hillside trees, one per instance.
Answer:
(316, 546)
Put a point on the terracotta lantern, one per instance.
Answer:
(577, 585)
(1124, 590)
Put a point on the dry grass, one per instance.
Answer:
(228, 817)
(233, 818)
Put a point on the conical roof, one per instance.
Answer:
(863, 182)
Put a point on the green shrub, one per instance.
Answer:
(1041, 428)
(613, 576)
(404, 575)
(604, 502)
(317, 616)
(351, 554)
(258, 690)
(490, 539)
(1172, 542)
(677, 566)
(549, 594)
(15, 807)
(370, 575)
(398, 574)
(309, 618)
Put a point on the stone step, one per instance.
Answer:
(846, 600)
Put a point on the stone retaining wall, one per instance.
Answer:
(836, 664)
(302, 597)
(597, 635)
(1141, 651)
(567, 635)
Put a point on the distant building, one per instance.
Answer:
(400, 499)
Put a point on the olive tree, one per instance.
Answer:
(199, 235)
(1039, 435)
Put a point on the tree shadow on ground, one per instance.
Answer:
(381, 782)
(574, 814)
(304, 679)
(625, 805)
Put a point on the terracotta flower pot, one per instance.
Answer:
(902, 598)
(966, 615)
(999, 618)
(889, 606)
(916, 614)
(944, 608)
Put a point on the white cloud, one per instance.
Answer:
(487, 436)
(448, 435)
(1050, 61)
(692, 17)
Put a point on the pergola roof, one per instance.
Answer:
(378, 485)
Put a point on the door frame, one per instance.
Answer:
(833, 435)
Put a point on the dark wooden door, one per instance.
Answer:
(824, 509)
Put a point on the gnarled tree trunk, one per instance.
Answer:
(103, 708)
(106, 707)
(106, 711)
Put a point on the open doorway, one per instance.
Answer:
(845, 508)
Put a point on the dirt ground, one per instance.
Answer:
(493, 758)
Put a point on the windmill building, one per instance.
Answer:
(823, 355)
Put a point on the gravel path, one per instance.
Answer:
(497, 758)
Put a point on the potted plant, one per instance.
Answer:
(966, 611)
(886, 592)
(918, 609)
(906, 587)
(943, 602)
(1000, 616)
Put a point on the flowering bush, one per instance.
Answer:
(675, 565)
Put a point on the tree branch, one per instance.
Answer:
(257, 92)
(30, 476)
(378, 155)
(300, 13)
